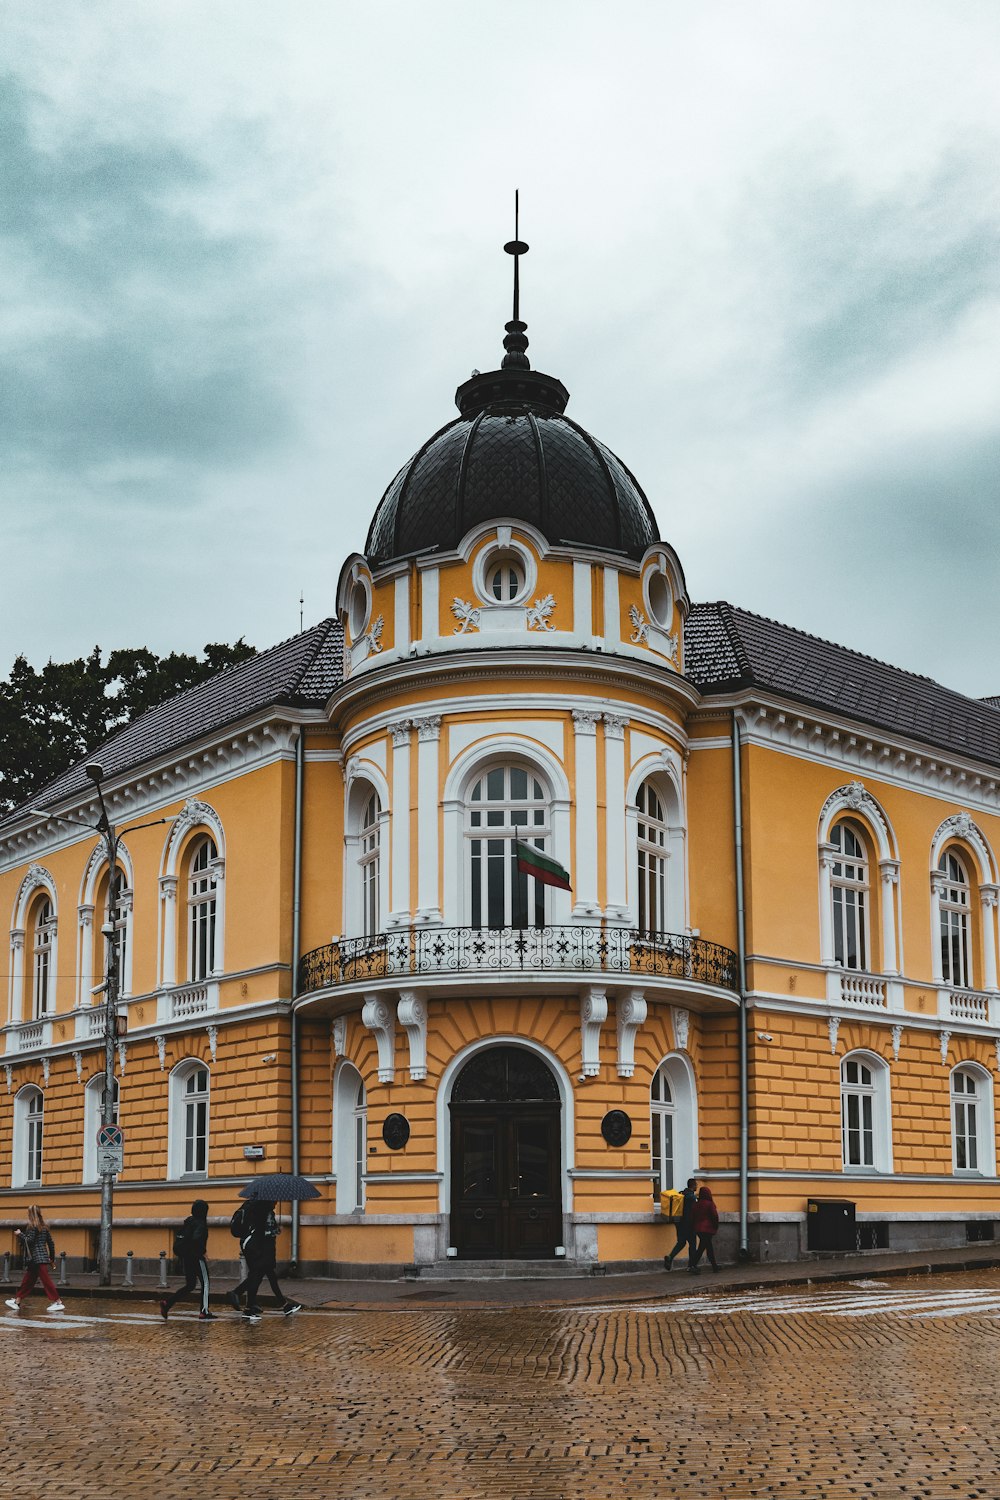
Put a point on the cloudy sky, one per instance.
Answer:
(248, 251)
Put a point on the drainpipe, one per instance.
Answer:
(300, 761)
(741, 948)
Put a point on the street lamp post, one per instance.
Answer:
(106, 829)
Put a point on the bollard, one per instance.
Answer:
(6, 1266)
(128, 1269)
(163, 1268)
(62, 1269)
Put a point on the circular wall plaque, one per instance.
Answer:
(396, 1132)
(616, 1127)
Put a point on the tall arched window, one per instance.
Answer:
(201, 910)
(93, 1119)
(864, 1113)
(850, 897)
(369, 861)
(972, 1138)
(662, 1142)
(189, 1120)
(119, 902)
(42, 977)
(507, 803)
(652, 847)
(673, 1128)
(350, 1138)
(955, 908)
(29, 1112)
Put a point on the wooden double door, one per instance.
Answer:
(506, 1201)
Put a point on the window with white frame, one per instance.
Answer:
(93, 1119)
(350, 1138)
(201, 910)
(43, 979)
(652, 856)
(864, 1099)
(116, 915)
(955, 907)
(971, 1121)
(850, 897)
(29, 1113)
(369, 861)
(662, 1111)
(189, 1120)
(504, 578)
(507, 804)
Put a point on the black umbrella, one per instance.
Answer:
(279, 1187)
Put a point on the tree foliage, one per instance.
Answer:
(52, 718)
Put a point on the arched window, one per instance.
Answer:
(118, 906)
(369, 861)
(42, 977)
(29, 1112)
(652, 848)
(93, 1119)
(505, 578)
(673, 1128)
(850, 897)
(972, 1120)
(201, 910)
(350, 1138)
(864, 1113)
(506, 804)
(955, 907)
(189, 1099)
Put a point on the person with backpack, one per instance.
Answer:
(190, 1245)
(257, 1229)
(39, 1253)
(684, 1226)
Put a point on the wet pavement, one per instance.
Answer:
(871, 1385)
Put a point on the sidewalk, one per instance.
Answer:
(645, 1286)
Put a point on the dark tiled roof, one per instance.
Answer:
(728, 648)
(300, 672)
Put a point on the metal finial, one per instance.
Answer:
(515, 343)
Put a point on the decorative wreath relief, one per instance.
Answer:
(537, 614)
(640, 635)
(374, 636)
(467, 616)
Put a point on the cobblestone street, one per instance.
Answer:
(866, 1387)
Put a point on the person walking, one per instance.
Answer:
(706, 1224)
(39, 1254)
(191, 1244)
(684, 1226)
(258, 1234)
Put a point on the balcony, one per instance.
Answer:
(508, 951)
(29, 1036)
(966, 1005)
(184, 1001)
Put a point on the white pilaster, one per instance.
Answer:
(583, 604)
(612, 611)
(428, 860)
(585, 874)
(988, 895)
(889, 871)
(429, 605)
(84, 995)
(614, 812)
(401, 614)
(218, 869)
(937, 886)
(168, 925)
(15, 1007)
(399, 915)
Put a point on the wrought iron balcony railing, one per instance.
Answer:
(505, 950)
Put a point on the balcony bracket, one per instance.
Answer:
(593, 1014)
(378, 1017)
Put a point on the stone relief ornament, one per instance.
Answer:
(78, 1063)
(429, 728)
(46, 1067)
(213, 1040)
(681, 1019)
(962, 824)
(161, 1051)
(400, 732)
(616, 1127)
(945, 1040)
(8, 1069)
(996, 1046)
(537, 614)
(374, 636)
(640, 633)
(121, 1058)
(338, 1036)
(897, 1037)
(396, 1131)
(854, 795)
(467, 615)
(834, 1026)
(614, 726)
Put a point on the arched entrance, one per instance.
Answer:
(505, 1157)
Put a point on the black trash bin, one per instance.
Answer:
(830, 1226)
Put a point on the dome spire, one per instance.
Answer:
(515, 343)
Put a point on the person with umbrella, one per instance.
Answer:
(259, 1230)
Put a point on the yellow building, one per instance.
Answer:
(775, 967)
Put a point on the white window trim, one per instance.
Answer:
(346, 1082)
(19, 1144)
(959, 912)
(665, 777)
(507, 832)
(985, 1128)
(881, 1113)
(360, 788)
(684, 1095)
(92, 1121)
(176, 1121)
(196, 819)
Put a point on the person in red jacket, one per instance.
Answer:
(706, 1224)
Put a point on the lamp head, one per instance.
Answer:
(95, 771)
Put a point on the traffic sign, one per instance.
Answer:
(110, 1159)
(111, 1135)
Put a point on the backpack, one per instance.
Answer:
(182, 1242)
(671, 1204)
(236, 1223)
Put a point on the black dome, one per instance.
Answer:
(511, 454)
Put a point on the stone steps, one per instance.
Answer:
(501, 1270)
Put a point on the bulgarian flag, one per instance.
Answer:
(531, 861)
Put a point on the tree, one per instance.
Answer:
(52, 718)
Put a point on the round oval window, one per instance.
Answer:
(357, 615)
(504, 578)
(661, 604)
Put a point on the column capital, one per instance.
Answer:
(989, 895)
(585, 720)
(614, 726)
(889, 871)
(429, 727)
(400, 731)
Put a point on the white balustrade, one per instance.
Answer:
(969, 1005)
(862, 989)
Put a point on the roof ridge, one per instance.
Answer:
(326, 627)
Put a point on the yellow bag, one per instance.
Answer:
(671, 1204)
